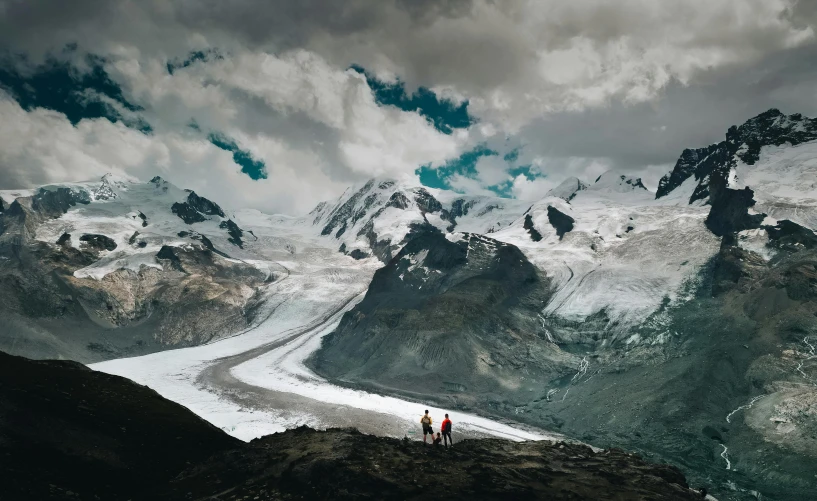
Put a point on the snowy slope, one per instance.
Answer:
(784, 180)
(626, 253)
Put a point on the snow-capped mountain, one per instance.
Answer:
(772, 155)
(163, 266)
(379, 217)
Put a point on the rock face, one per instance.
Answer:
(98, 242)
(560, 221)
(711, 165)
(124, 441)
(119, 286)
(446, 312)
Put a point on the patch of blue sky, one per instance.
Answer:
(466, 166)
(56, 84)
(255, 169)
(446, 115)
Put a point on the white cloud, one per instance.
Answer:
(527, 189)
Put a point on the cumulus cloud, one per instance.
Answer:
(577, 87)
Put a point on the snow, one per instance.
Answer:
(784, 181)
(600, 266)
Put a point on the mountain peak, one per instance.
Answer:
(612, 181)
(568, 189)
(713, 163)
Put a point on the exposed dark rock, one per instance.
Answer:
(460, 207)
(73, 433)
(169, 253)
(559, 220)
(730, 212)
(358, 254)
(349, 212)
(711, 165)
(183, 234)
(635, 183)
(195, 209)
(204, 205)
(98, 242)
(2, 206)
(133, 237)
(426, 201)
(144, 219)
(398, 200)
(187, 213)
(734, 267)
(435, 308)
(234, 231)
(53, 203)
(790, 236)
(65, 239)
(528, 225)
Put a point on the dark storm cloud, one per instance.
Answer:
(580, 85)
(634, 136)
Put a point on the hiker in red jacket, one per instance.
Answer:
(446, 429)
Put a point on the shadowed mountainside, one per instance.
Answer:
(67, 432)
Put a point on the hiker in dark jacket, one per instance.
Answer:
(446, 429)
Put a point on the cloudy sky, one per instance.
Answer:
(278, 105)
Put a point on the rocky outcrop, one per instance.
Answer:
(234, 231)
(196, 209)
(560, 221)
(72, 433)
(530, 228)
(711, 165)
(730, 212)
(204, 206)
(98, 242)
(442, 311)
(791, 237)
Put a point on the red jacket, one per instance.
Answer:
(446, 425)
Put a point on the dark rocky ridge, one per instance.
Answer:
(71, 433)
(711, 165)
(195, 209)
(98, 242)
(531, 229)
(560, 221)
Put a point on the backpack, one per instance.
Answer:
(447, 427)
(425, 420)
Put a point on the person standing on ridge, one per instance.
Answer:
(426, 422)
(446, 429)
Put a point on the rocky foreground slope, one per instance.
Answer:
(67, 432)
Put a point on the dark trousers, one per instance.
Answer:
(447, 438)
